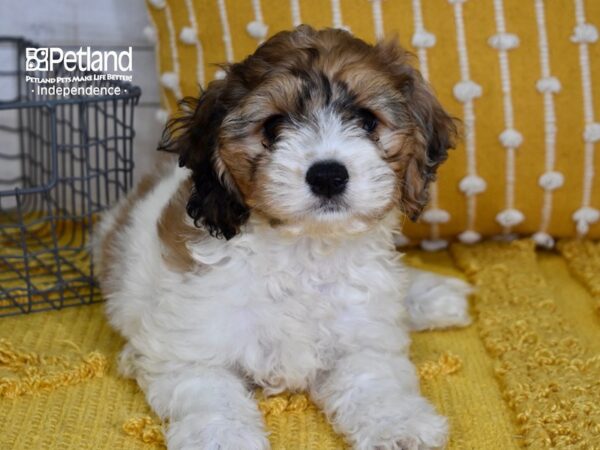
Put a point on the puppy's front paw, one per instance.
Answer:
(216, 433)
(435, 301)
(415, 426)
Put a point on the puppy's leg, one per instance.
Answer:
(207, 408)
(435, 301)
(373, 399)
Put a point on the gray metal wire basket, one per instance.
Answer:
(62, 161)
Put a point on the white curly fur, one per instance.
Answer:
(282, 312)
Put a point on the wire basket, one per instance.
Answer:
(62, 161)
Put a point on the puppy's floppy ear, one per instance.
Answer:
(194, 135)
(436, 134)
(435, 131)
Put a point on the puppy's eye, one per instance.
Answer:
(272, 127)
(369, 121)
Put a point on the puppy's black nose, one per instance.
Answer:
(327, 178)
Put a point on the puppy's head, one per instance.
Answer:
(317, 130)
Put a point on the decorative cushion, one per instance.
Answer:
(521, 75)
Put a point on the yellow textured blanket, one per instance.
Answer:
(526, 373)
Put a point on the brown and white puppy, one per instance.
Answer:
(267, 258)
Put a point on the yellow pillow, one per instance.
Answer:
(522, 75)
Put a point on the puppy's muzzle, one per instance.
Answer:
(327, 178)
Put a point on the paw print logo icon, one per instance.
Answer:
(36, 59)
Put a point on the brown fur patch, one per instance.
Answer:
(175, 232)
(109, 251)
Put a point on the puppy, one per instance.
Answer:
(267, 257)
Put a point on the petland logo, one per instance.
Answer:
(55, 72)
(50, 58)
